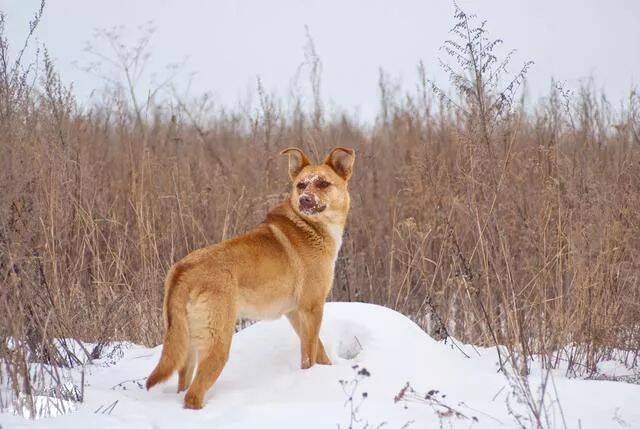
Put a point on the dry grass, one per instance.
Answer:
(517, 226)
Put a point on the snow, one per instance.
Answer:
(262, 386)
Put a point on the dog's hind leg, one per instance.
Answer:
(210, 366)
(215, 318)
(185, 375)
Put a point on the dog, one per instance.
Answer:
(284, 266)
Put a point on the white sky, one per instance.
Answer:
(227, 43)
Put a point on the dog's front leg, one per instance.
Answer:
(311, 319)
(296, 322)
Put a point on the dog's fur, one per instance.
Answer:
(283, 266)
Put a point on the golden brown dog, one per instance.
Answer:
(283, 266)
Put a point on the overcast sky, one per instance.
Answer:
(228, 43)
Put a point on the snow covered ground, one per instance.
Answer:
(262, 386)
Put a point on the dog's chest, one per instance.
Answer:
(335, 232)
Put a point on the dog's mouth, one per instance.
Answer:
(312, 210)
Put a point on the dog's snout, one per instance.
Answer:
(307, 202)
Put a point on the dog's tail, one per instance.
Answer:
(176, 338)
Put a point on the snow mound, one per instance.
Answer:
(263, 386)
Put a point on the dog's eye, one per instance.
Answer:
(301, 185)
(323, 184)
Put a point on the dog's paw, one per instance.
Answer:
(323, 360)
(192, 401)
(306, 363)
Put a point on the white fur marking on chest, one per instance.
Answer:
(336, 231)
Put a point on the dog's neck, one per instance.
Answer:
(319, 233)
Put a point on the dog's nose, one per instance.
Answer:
(307, 202)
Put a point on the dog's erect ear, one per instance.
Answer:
(297, 160)
(341, 161)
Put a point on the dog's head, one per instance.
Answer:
(320, 191)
